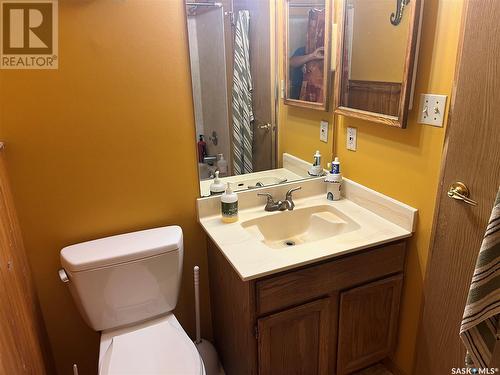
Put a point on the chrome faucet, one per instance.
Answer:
(287, 204)
(288, 198)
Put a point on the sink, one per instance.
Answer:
(303, 225)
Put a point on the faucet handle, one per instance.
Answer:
(289, 192)
(269, 196)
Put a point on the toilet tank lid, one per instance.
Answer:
(121, 248)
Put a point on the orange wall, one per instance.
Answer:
(103, 145)
(403, 164)
(299, 134)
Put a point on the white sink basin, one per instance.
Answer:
(304, 225)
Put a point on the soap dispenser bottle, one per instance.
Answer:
(333, 181)
(229, 205)
(217, 187)
(202, 149)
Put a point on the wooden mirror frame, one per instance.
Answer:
(326, 62)
(408, 76)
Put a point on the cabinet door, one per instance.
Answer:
(295, 341)
(368, 320)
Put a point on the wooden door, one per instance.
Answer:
(261, 36)
(296, 341)
(472, 156)
(22, 336)
(368, 320)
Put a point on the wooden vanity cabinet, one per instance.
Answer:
(332, 317)
(296, 340)
(368, 318)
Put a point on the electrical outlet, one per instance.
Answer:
(323, 131)
(351, 138)
(431, 110)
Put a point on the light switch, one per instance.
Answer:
(432, 108)
(323, 131)
(351, 139)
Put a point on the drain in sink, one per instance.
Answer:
(289, 243)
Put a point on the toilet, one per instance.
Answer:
(126, 287)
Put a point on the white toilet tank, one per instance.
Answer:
(127, 278)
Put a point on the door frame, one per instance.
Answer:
(451, 127)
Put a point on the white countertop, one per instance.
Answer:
(381, 220)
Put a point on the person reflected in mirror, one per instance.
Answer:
(297, 64)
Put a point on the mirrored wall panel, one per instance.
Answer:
(233, 62)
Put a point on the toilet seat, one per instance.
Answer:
(156, 347)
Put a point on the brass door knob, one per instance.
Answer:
(459, 191)
(265, 127)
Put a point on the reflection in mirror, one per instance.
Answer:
(377, 59)
(375, 52)
(232, 59)
(306, 53)
(306, 49)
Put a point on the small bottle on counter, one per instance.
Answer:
(229, 205)
(217, 187)
(333, 181)
(316, 169)
(202, 149)
(222, 165)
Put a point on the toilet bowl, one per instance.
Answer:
(126, 286)
(155, 347)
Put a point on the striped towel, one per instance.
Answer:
(242, 98)
(480, 328)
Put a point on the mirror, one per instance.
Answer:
(307, 53)
(376, 60)
(233, 61)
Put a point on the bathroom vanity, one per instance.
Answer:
(332, 317)
(315, 290)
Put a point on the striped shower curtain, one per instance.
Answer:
(242, 98)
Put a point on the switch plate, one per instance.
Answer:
(351, 138)
(431, 109)
(323, 131)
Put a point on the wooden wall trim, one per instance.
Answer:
(374, 96)
(24, 346)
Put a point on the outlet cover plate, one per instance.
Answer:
(432, 109)
(352, 134)
(323, 131)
